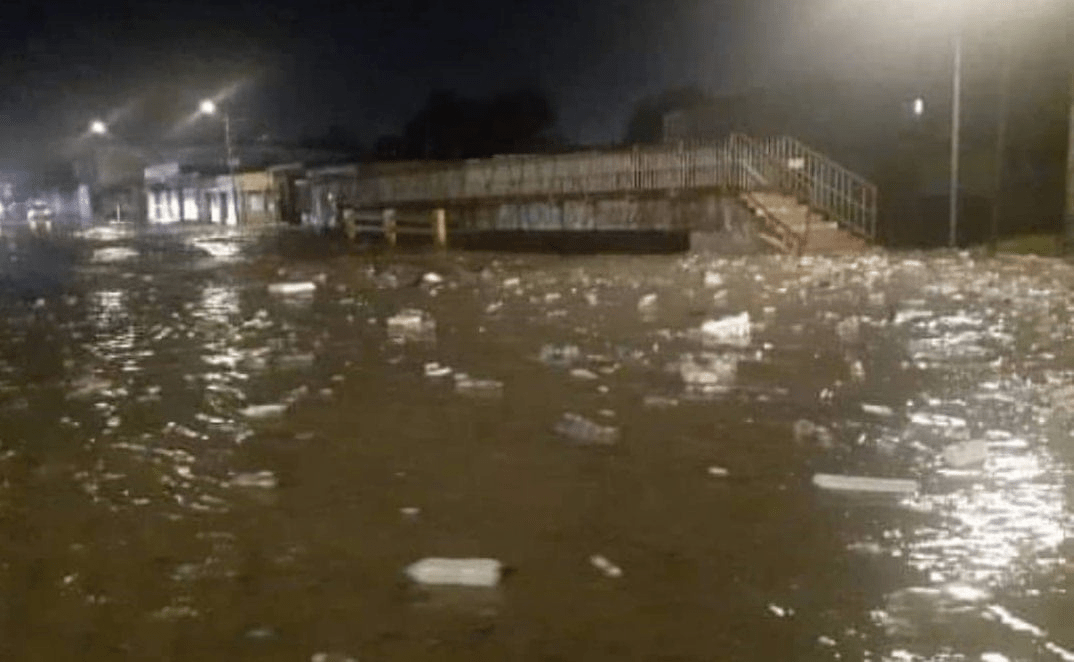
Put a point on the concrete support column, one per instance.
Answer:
(388, 216)
(440, 227)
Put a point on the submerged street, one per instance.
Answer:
(230, 447)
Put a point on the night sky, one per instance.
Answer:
(295, 68)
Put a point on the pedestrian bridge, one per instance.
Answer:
(798, 199)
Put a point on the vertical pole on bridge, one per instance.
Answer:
(388, 216)
(440, 227)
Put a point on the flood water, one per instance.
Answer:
(195, 465)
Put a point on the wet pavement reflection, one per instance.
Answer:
(227, 446)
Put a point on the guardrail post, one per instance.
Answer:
(440, 227)
(388, 217)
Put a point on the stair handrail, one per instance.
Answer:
(827, 186)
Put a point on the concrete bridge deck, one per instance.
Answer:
(800, 200)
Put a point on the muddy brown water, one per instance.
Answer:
(147, 514)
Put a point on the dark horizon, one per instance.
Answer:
(296, 70)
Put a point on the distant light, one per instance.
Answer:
(208, 107)
(919, 107)
(98, 127)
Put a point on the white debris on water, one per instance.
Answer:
(113, 254)
(273, 410)
(581, 430)
(432, 278)
(486, 388)
(605, 566)
(332, 657)
(560, 355)
(434, 370)
(841, 483)
(659, 402)
(647, 303)
(302, 288)
(411, 324)
(583, 373)
(878, 410)
(713, 279)
(708, 370)
(966, 454)
(255, 479)
(731, 330)
(719, 472)
(474, 572)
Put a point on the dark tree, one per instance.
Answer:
(646, 123)
(452, 127)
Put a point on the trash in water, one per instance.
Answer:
(708, 370)
(966, 454)
(732, 330)
(660, 402)
(582, 373)
(292, 289)
(808, 431)
(560, 355)
(256, 479)
(332, 657)
(264, 411)
(849, 330)
(780, 612)
(477, 387)
(713, 279)
(878, 410)
(410, 511)
(295, 361)
(512, 282)
(455, 572)
(434, 370)
(432, 278)
(647, 302)
(605, 566)
(582, 430)
(719, 472)
(411, 324)
(113, 254)
(865, 484)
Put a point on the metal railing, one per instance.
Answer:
(739, 164)
(826, 186)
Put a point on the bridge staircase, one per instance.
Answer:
(804, 201)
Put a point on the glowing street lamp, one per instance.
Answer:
(209, 107)
(918, 107)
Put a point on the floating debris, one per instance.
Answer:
(732, 330)
(878, 410)
(411, 324)
(605, 566)
(966, 454)
(435, 370)
(274, 410)
(456, 572)
(580, 429)
(257, 479)
(292, 289)
(844, 483)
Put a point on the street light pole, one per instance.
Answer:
(209, 107)
(956, 100)
(231, 168)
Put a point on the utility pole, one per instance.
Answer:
(1001, 144)
(1068, 209)
(1068, 213)
(231, 168)
(956, 101)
